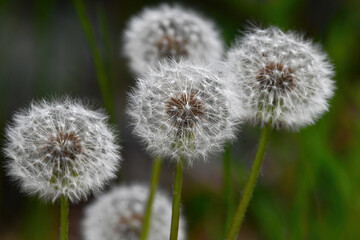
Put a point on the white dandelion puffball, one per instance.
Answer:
(60, 148)
(173, 32)
(183, 110)
(119, 215)
(281, 78)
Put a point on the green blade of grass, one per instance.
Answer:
(101, 75)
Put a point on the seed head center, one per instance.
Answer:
(63, 146)
(170, 47)
(185, 110)
(130, 225)
(276, 77)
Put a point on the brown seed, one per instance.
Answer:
(63, 146)
(275, 75)
(170, 47)
(129, 227)
(184, 110)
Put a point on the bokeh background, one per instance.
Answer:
(309, 187)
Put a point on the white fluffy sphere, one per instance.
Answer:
(280, 77)
(183, 110)
(119, 214)
(60, 148)
(165, 32)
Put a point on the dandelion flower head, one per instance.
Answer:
(170, 32)
(119, 214)
(183, 110)
(281, 78)
(61, 148)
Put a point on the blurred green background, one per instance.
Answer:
(309, 187)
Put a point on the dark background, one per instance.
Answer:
(309, 187)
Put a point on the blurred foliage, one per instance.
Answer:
(310, 182)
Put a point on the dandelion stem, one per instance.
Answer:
(154, 181)
(250, 184)
(176, 200)
(64, 212)
(227, 186)
(101, 75)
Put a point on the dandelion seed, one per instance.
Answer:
(280, 77)
(170, 32)
(119, 214)
(61, 148)
(183, 109)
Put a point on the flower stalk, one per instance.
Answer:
(250, 184)
(153, 184)
(227, 186)
(64, 212)
(176, 199)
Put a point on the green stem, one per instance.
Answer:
(228, 195)
(99, 66)
(104, 34)
(250, 184)
(154, 181)
(176, 200)
(64, 212)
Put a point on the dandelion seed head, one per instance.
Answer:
(119, 215)
(61, 147)
(280, 77)
(183, 109)
(169, 32)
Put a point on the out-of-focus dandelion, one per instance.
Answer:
(283, 81)
(281, 78)
(183, 111)
(61, 149)
(173, 32)
(119, 215)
